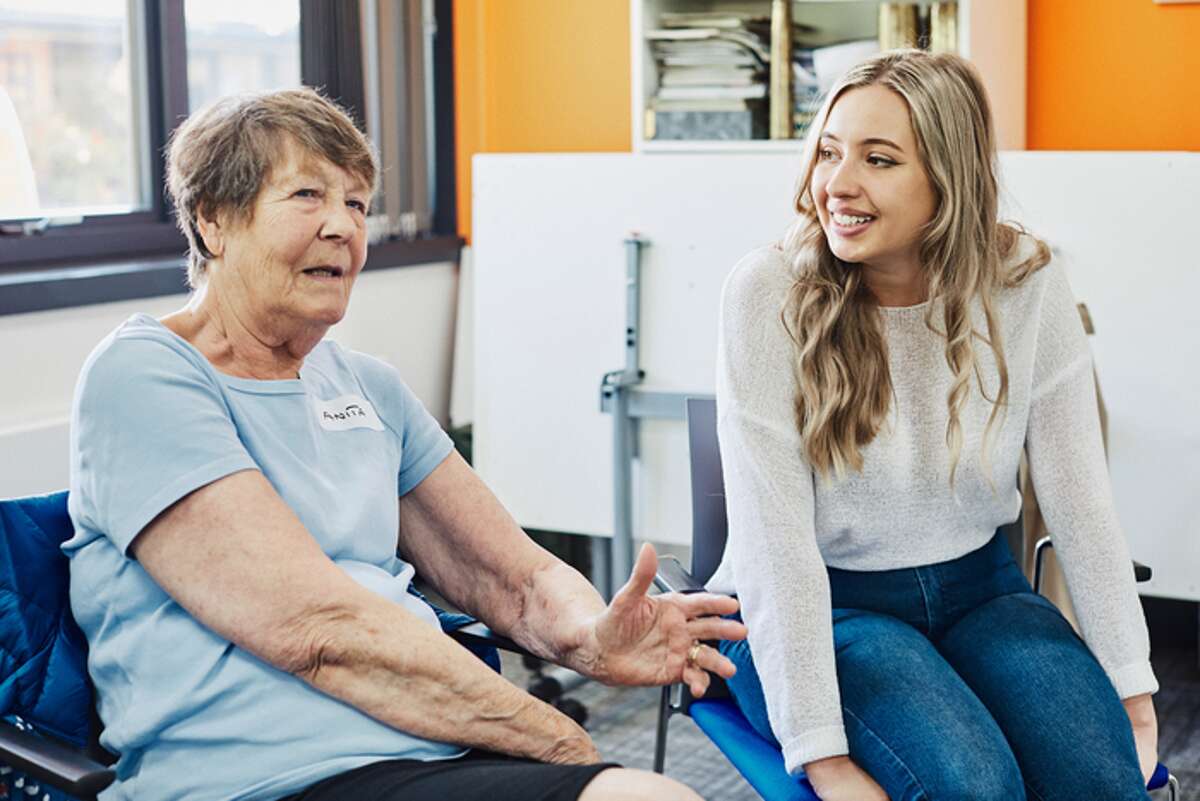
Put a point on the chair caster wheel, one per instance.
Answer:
(550, 690)
(545, 688)
(573, 709)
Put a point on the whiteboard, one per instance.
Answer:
(549, 320)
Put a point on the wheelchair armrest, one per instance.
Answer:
(1141, 572)
(479, 634)
(671, 577)
(52, 762)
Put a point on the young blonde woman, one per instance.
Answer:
(879, 375)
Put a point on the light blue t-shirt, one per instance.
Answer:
(192, 715)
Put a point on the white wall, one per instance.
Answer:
(404, 316)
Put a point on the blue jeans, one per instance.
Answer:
(958, 682)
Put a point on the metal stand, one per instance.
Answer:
(612, 561)
(602, 565)
(614, 389)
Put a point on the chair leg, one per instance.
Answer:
(1173, 788)
(660, 739)
(1039, 553)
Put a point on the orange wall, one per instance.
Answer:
(538, 76)
(1113, 75)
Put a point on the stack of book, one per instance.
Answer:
(712, 70)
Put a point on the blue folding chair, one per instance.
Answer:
(757, 759)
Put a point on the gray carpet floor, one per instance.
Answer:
(622, 723)
(1178, 706)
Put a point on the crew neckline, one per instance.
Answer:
(905, 309)
(262, 386)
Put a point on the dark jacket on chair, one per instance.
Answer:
(43, 654)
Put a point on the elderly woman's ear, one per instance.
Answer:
(212, 235)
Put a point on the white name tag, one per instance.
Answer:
(347, 412)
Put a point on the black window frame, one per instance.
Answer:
(110, 257)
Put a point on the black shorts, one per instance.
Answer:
(477, 776)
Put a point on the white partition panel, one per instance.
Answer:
(549, 305)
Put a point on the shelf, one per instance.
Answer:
(992, 35)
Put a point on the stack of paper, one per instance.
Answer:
(816, 70)
(698, 61)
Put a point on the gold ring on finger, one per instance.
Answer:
(693, 653)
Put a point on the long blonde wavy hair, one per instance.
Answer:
(844, 390)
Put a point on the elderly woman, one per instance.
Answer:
(241, 488)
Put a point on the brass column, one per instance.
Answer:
(943, 27)
(781, 123)
(898, 25)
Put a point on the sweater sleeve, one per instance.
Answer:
(777, 568)
(1070, 475)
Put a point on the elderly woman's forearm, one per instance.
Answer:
(413, 678)
(469, 547)
(559, 608)
(257, 580)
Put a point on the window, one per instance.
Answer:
(67, 70)
(235, 46)
(90, 91)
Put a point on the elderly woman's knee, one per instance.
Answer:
(624, 784)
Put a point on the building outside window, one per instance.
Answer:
(66, 68)
(235, 46)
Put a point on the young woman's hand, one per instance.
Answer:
(839, 779)
(1145, 731)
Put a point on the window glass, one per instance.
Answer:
(66, 69)
(239, 46)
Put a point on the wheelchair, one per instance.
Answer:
(717, 715)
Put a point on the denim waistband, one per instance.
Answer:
(931, 597)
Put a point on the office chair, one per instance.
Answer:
(49, 731)
(757, 759)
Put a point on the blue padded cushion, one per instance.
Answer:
(1159, 777)
(43, 654)
(759, 760)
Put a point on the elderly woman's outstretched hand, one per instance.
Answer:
(651, 640)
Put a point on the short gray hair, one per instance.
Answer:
(220, 156)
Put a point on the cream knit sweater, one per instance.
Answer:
(786, 524)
